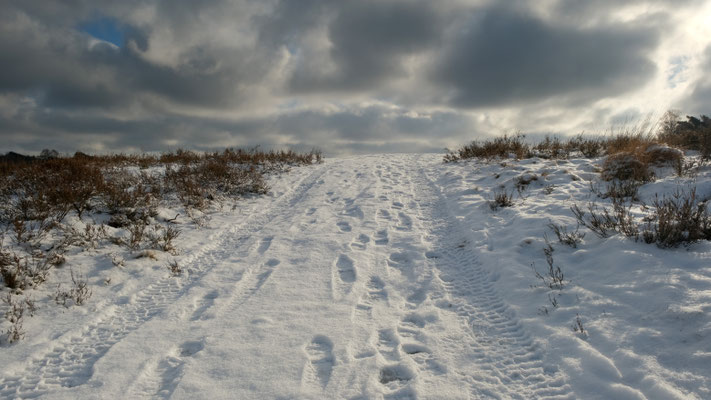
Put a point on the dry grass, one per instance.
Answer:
(36, 195)
(645, 142)
(631, 155)
(500, 147)
(502, 198)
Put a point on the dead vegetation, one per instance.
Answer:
(501, 199)
(630, 152)
(669, 221)
(51, 204)
(631, 159)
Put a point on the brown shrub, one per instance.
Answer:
(589, 147)
(625, 166)
(500, 147)
(634, 163)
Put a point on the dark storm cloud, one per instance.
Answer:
(504, 56)
(67, 132)
(59, 68)
(352, 75)
(368, 42)
(288, 21)
(375, 127)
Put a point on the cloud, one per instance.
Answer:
(335, 130)
(348, 76)
(368, 42)
(699, 100)
(61, 68)
(502, 57)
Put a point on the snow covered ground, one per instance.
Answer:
(385, 276)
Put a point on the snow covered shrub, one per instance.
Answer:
(589, 147)
(79, 293)
(24, 271)
(578, 326)
(186, 186)
(605, 222)
(679, 219)
(125, 196)
(673, 221)
(572, 238)
(634, 162)
(136, 232)
(8, 270)
(618, 190)
(551, 148)
(267, 159)
(625, 166)
(15, 316)
(162, 238)
(49, 189)
(554, 278)
(524, 180)
(174, 268)
(661, 155)
(196, 185)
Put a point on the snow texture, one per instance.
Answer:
(386, 277)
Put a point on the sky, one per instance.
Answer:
(347, 76)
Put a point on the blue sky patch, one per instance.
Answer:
(104, 28)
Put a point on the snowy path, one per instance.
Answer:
(357, 283)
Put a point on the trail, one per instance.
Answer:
(357, 283)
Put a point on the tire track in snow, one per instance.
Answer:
(70, 363)
(508, 364)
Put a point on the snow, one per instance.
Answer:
(384, 276)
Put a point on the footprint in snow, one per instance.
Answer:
(160, 379)
(264, 275)
(388, 345)
(395, 373)
(205, 303)
(384, 214)
(381, 237)
(405, 222)
(319, 363)
(265, 244)
(346, 269)
(361, 242)
(344, 226)
(412, 330)
(344, 276)
(375, 291)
